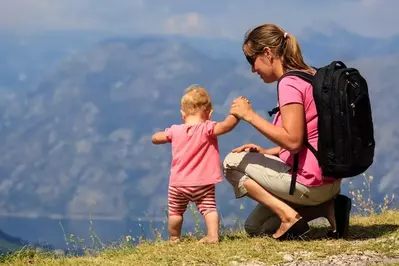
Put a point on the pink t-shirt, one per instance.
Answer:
(195, 155)
(295, 90)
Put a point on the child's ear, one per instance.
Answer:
(183, 114)
(210, 114)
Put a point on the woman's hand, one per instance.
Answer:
(241, 108)
(249, 148)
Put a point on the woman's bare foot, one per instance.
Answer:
(284, 227)
(174, 240)
(298, 225)
(209, 240)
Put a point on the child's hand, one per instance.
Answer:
(241, 108)
(248, 148)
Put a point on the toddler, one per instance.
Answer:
(195, 166)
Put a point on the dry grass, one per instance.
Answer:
(378, 233)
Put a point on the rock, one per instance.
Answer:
(361, 259)
(288, 257)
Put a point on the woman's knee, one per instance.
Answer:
(230, 170)
(251, 230)
(232, 160)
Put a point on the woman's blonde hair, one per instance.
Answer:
(195, 99)
(284, 45)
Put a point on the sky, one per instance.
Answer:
(209, 18)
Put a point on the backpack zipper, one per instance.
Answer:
(348, 142)
(358, 98)
(353, 105)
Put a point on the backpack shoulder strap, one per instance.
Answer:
(300, 74)
(308, 78)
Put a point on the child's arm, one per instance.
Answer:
(160, 138)
(225, 126)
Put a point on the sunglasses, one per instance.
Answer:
(251, 59)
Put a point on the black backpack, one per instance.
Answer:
(345, 125)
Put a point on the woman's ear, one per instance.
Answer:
(268, 53)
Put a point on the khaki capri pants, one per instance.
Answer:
(274, 176)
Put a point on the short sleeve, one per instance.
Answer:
(209, 127)
(291, 90)
(169, 133)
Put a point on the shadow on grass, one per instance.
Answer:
(357, 232)
(233, 237)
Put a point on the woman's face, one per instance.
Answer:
(262, 64)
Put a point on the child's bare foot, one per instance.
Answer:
(174, 240)
(209, 240)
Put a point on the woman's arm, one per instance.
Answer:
(250, 147)
(291, 135)
(272, 151)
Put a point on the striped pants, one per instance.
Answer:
(202, 196)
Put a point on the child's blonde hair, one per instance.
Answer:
(195, 99)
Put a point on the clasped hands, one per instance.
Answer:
(241, 108)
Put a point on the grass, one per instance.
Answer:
(375, 228)
(378, 233)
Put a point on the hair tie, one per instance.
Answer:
(285, 35)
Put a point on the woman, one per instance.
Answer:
(264, 175)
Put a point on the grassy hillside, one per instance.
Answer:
(372, 240)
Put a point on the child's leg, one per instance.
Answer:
(174, 227)
(177, 204)
(206, 204)
(212, 224)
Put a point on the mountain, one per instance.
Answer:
(76, 141)
(86, 128)
(380, 73)
(10, 243)
(329, 43)
(26, 58)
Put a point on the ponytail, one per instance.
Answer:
(291, 54)
(282, 43)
